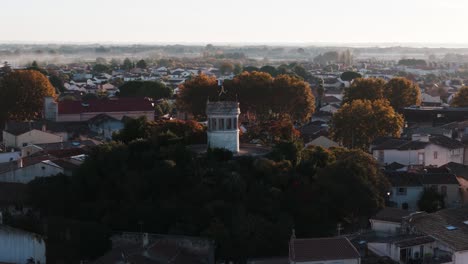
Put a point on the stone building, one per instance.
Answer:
(223, 129)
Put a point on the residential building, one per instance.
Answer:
(75, 111)
(422, 150)
(19, 246)
(16, 137)
(27, 169)
(388, 221)
(408, 187)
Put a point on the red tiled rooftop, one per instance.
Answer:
(104, 105)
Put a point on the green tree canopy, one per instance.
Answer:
(358, 123)
(141, 64)
(431, 201)
(350, 75)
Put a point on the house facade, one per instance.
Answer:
(33, 136)
(424, 150)
(21, 172)
(76, 111)
(18, 246)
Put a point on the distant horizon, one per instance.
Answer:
(434, 45)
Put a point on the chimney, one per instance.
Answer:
(145, 240)
(420, 137)
(44, 128)
(20, 163)
(1, 218)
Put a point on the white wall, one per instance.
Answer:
(32, 137)
(17, 246)
(411, 197)
(385, 227)
(27, 174)
(460, 257)
(228, 139)
(410, 157)
(9, 156)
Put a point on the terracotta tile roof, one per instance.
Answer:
(436, 224)
(126, 104)
(320, 249)
(391, 214)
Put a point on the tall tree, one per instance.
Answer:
(194, 93)
(127, 64)
(293, 97)
(350, 75)
(226, 67)
(461, 98)
(356, 183)
(142, 64)
(359, 122)
(23, 93)
(402, 92)
(364, 89)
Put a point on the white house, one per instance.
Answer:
(404, 248)
(407, 188)
(18, 246)
(388, 221)
(27, 169)
(427, 150)
(21, 138)
(449, 229)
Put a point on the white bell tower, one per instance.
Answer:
(223, 129)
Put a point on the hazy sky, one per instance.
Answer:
(234, 21)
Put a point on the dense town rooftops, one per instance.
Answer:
(406, 144)
(391, 214)
(448, 226)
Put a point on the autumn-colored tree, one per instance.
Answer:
(22, 95)
(226, 67)
(365, 89)
(402, 92)
(293, 97)
(253, 90)
(194, 93)
(356, 124)
(265, 97)
(461, 98)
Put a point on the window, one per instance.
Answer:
(213, 124)
(435, 154)
(221, 124)
(229, 124)
(401, 191)
(421, 158)
(234, 123)
(381, 156)
(443, 191)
